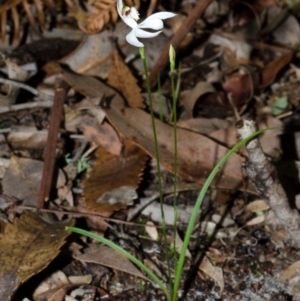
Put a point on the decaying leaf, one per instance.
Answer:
(204, 125)
(27, 173)
(271, 70)
(151, 230)
(108, 257)
(93, 55)
(27, 137)
(9, 93)
(290, 271)
(179, 244)
(258, 205)
(65, 293)
(190, 98)
(27, 247)
(197, 154)
(101, 134)
(212, 271)
(153, 210)
(113, 172)
(256, 220)
(241, 85)
(121, 78)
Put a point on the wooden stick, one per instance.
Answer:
(267, 183)
(50, 151)
(178, 38)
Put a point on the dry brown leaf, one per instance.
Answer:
(256, 220)
(216, 273)
(9, 93)
(121, 78)
(26, 248)
(113, 172)
(260, 5)
(271, 70)
(108, 257)
(92, 56)
(27, 137)
(270, 140)
(84, 84)
(59, 294)
(290, 271)
(216, 255)
(27, 173)
(241, 85)
(203, 125)
(258, 205)
(151, 230)
(102, 134)
(190, 97)
(197, 154)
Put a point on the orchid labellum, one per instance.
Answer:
(154, 22)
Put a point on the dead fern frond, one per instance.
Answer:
(14, 13)
(12, 17)
(100, 13)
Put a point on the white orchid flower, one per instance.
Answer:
(130, 16)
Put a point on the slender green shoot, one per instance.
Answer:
(172, 55)
(159, 97)
(200, 198)
(125, 253)
(164, 227)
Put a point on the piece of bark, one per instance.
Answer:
(266, 181)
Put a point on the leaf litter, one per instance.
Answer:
(237, 59)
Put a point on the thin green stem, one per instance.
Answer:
(125, 253)
(174, 113)
(193, 218)
(164, 227)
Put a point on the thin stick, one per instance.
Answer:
(178, 38)
(50, 151)
(26, 106)
(19, 85)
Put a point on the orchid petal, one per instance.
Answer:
(155, 24)
(120, 7)
(132, 39)
(140, 33)
(161, 15)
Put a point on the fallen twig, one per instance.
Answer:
(26, 106)
(265, 179)
(19, 85)
(50, 151)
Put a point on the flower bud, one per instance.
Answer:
(172, 55)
